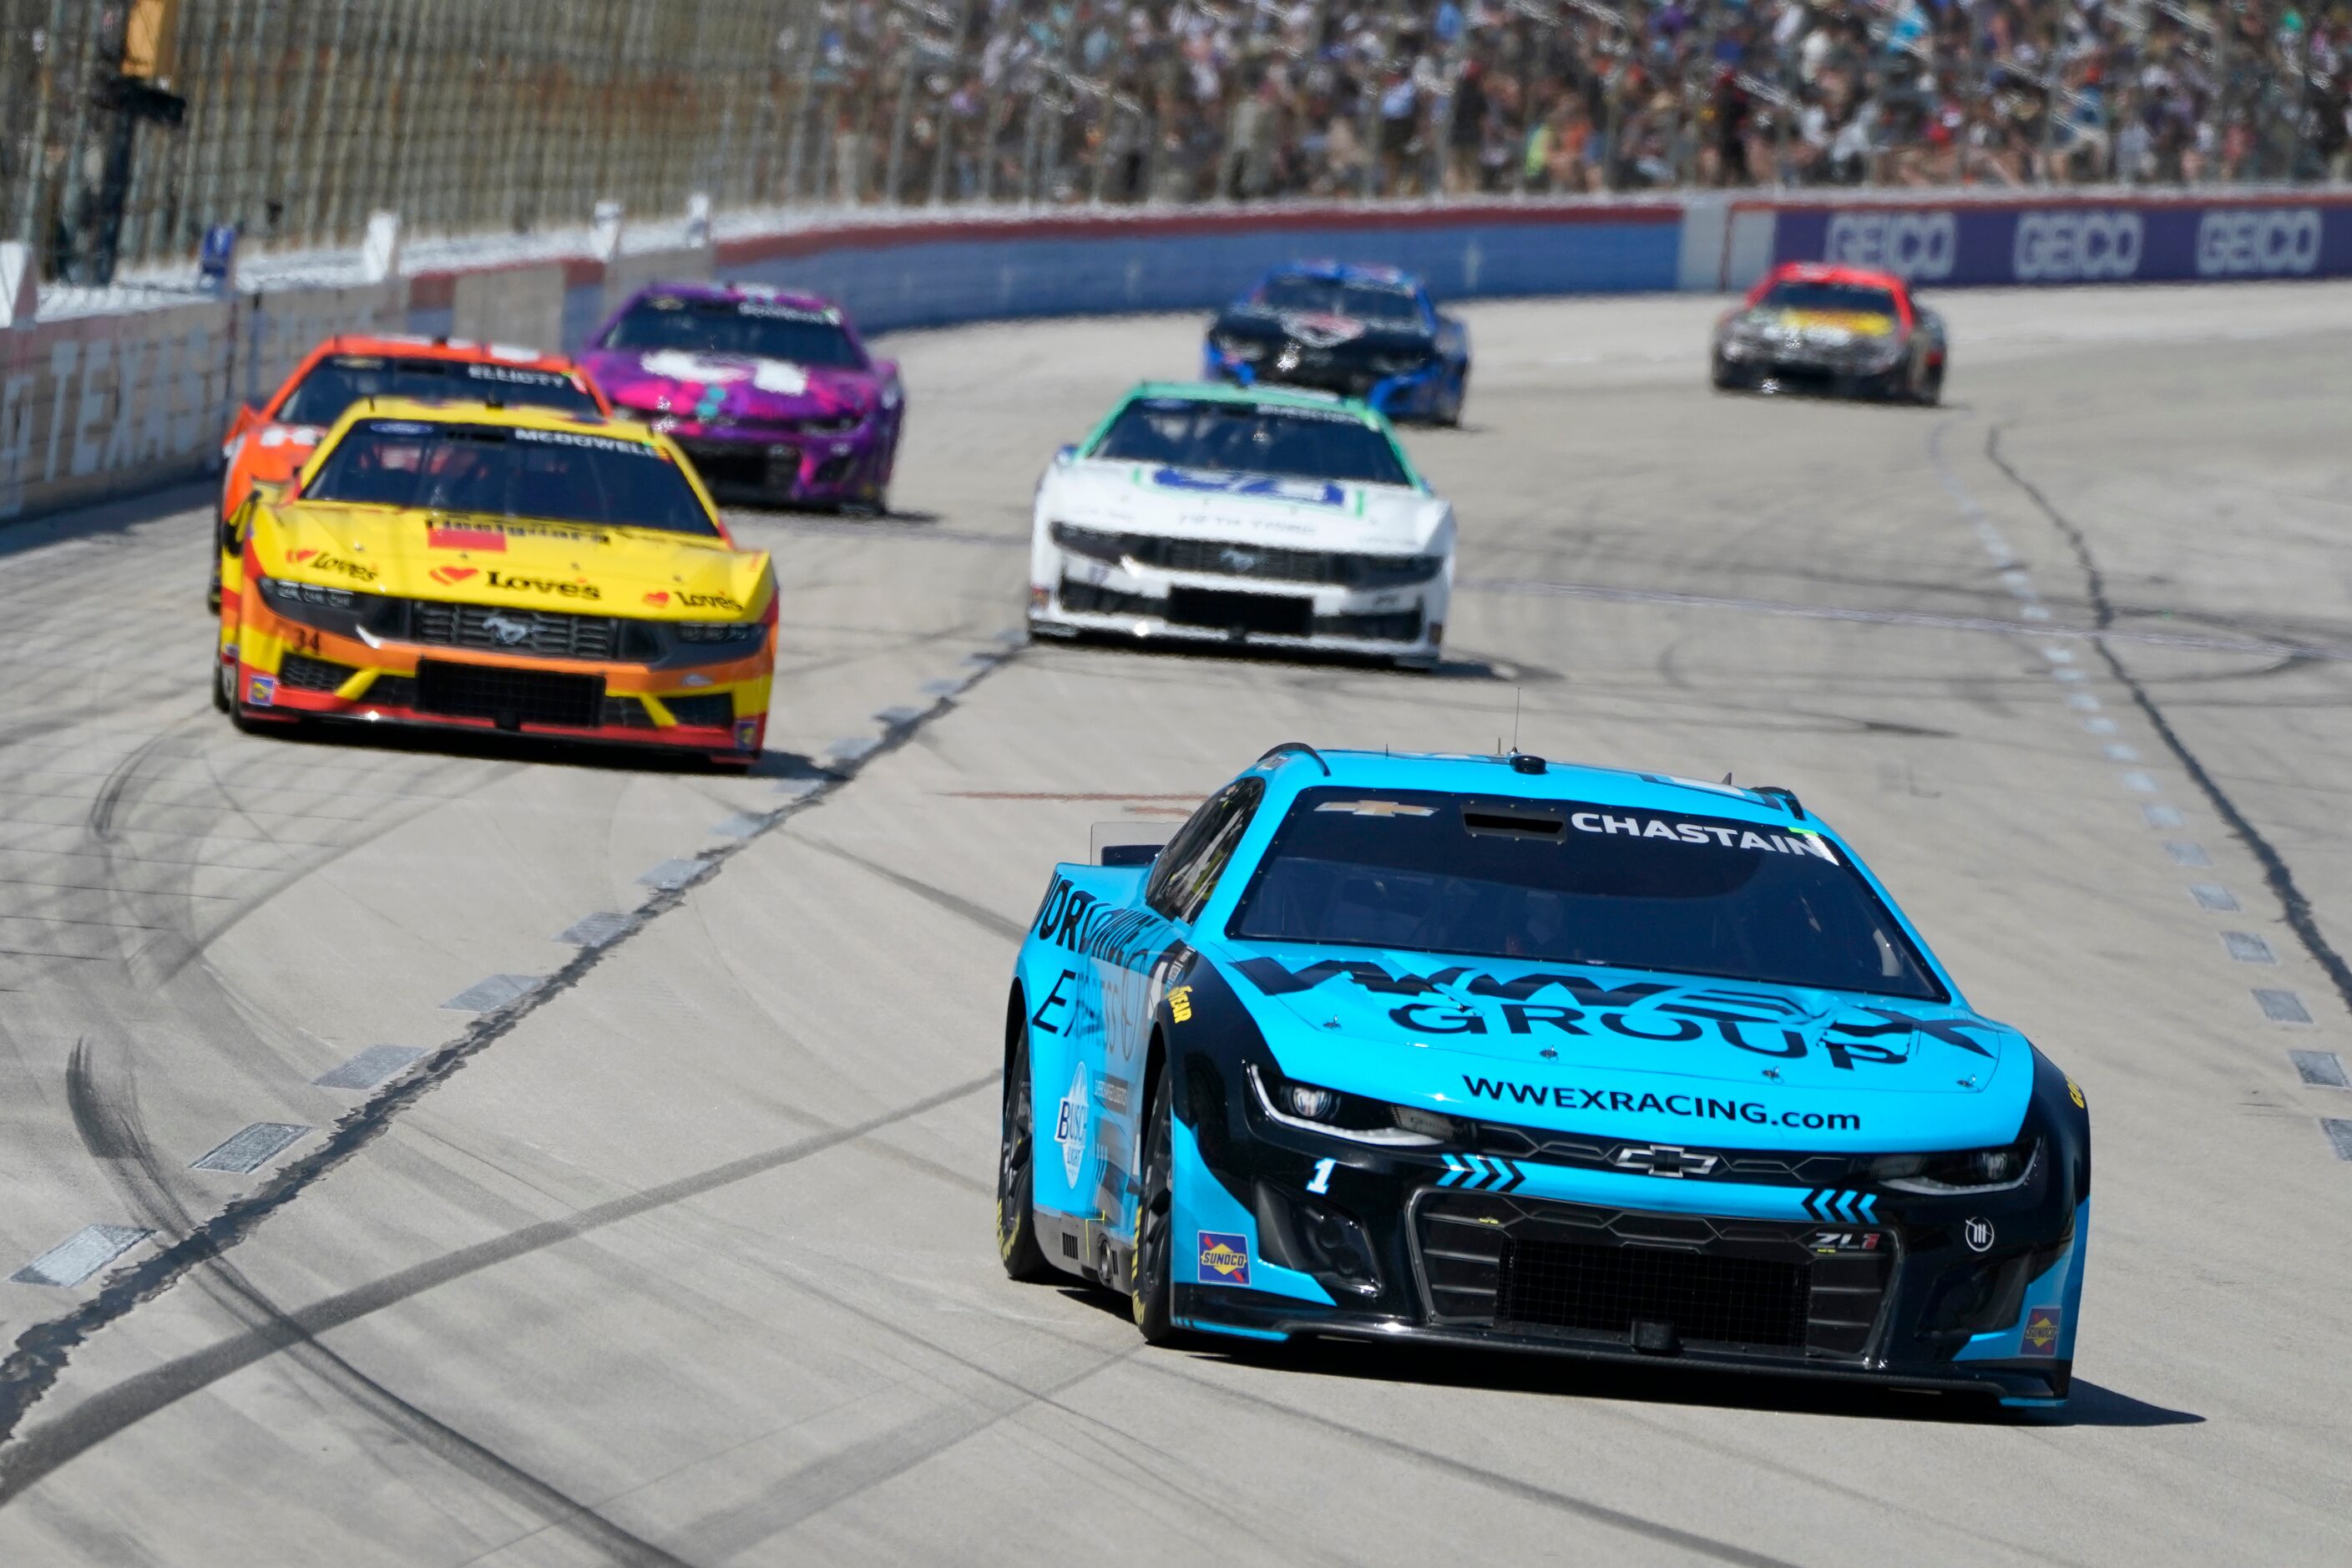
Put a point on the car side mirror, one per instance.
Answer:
(1130, 854)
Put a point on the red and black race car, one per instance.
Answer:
(1846, 330)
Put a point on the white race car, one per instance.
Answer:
(1244, 515)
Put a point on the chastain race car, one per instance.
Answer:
(1491, 1052)
(772, 395)
(497, 568)
(1280, 519)
(266, 442)
(1363, 331)
(1815, 326)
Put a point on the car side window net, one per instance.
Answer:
(1568, 883)
(1188, 870)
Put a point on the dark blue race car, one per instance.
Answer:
(1361, 332)
(1487, 1051)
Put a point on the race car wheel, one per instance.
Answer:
(1450, 401)
(1155, 1239)
(1016, 1218)
(223, 685)
(1931, 384)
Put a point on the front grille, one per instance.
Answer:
(509, 698)
(391, 692)
(732, 464)
(1533, 1265)
(1608, 1290)
(545, 634)
(626, 713)
(1387, 625)
(707, 711)
(305, 674)
(1266, 564)
(1270, 614)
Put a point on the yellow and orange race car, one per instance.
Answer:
(489, 568)
(266, 442)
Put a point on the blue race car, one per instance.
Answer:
(1487, 1051)
(1361, 332)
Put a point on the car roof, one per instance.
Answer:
(730, 289)
(1836, 272)
(1273, 397)
(517, 417)
(1296, 768)
(1345, 272)
(464, 351)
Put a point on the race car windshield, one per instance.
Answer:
(549, 475)
(1855, 299)
(1612, 887)
(1252, 439)
(1365, 301)
(745, 328)
(339, 381)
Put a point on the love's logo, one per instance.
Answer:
(657, 597)
(453, 574)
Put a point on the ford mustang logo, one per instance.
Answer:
(1239, 560)
(510, 632)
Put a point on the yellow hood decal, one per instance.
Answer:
(644, 573)
(1861, 324)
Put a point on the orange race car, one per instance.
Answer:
(465, 566)
(268, 442)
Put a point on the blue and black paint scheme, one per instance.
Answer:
(1370, 332)
(1540, 1155)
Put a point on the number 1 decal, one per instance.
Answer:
(1322, 1181)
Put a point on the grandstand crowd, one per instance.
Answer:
(1124, 101)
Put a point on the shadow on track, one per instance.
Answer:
(1662, 1383)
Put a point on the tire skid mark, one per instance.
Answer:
(2276, 873)
(43, 1349)
(114, 1133)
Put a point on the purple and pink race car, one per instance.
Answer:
(770, 393)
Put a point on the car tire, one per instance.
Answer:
(1016, 1173)
(1931, 384)
(224, 684)
(1449, 403)
(1152, 1287)
(1719, 374)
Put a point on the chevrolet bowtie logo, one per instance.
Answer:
(1664, 1160)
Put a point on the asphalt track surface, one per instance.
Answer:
(684, 1255)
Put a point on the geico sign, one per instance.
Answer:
(1908, 243)
(2076, 246)
(2257, 241)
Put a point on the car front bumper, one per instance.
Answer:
(794, 468)
(285, 670)
(1503, 1253)
(1798, 367)
(1081, 596)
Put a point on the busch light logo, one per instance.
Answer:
(2089, 246)
(2258, 242)
(1913, 245)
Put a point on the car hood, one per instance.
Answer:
(704, 387)
(1535, 1043)
(1247, 509)
(1320, 329)
(1827, 329)
(644, 573)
